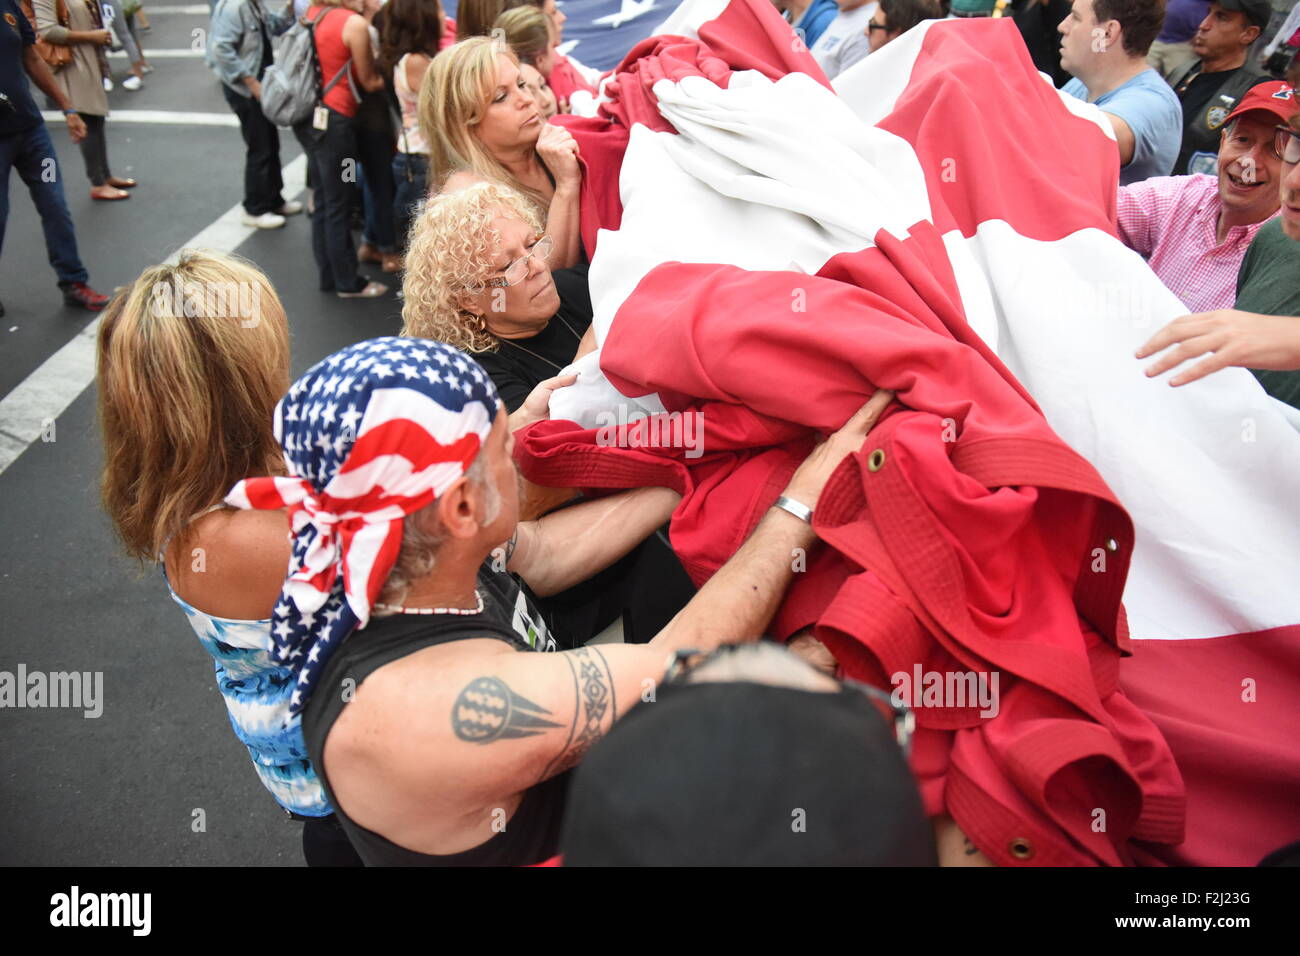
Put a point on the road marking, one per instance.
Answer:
(190, 10)
(184, 53)
(45, 394)
(162, 117)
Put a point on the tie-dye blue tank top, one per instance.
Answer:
(256, 691)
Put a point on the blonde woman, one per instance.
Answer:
(529, 34)
(482, 123)
(192, 359)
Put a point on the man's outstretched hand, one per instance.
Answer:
(807, 483)
(1233, 338)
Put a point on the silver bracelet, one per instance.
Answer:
(796, 508)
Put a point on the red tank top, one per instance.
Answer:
(333, 53)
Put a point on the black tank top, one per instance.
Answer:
(533, 831)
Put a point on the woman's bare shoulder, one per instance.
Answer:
(232, 563)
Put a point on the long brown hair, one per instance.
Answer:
(192, 359)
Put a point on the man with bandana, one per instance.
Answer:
(441, 736)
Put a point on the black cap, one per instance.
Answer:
(742, 774)
(1256, 11)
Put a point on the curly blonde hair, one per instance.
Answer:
(451, 253)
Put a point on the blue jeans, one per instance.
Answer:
(411, 173)
(332, 153)
(32, 153)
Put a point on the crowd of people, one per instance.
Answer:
(443, 605)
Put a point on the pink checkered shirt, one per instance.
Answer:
(1171, 221)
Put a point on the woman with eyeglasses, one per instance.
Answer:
(478, 276)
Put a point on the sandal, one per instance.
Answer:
(368, 253)
(392, 262)
(121, 183)
(373, 290)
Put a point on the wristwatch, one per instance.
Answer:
(796, 508)
(71, 113)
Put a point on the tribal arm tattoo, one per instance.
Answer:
(488, 710)
(593, 707)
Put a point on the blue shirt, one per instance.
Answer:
(16, 35)
(816, 19)
(1148, 105)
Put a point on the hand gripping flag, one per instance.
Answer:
(370, 435)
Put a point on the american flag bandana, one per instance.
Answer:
(370, 435)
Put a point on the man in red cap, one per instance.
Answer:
(1262, 331)
(1194, 230)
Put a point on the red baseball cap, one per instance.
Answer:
(1273, 96)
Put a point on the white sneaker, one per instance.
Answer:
(108, 84)
(268, 220)
(291, 208)
(132, 83)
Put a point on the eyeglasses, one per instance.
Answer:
(1286, 145)
(517, 271)
(873, 25)
(681, 664)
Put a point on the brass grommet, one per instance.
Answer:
(1021, 849)
(876, 460)
(1112, 545)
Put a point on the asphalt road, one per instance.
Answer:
(124, 788)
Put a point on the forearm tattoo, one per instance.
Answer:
(593, 707)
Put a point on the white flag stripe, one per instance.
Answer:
(1204, 470)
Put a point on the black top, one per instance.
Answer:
(1207, 99)
(508, 615)
(520, 364)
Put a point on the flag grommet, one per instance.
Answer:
(876, 460)
(1021, 849)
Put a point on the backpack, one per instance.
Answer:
(291, 87)
(56, 56)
